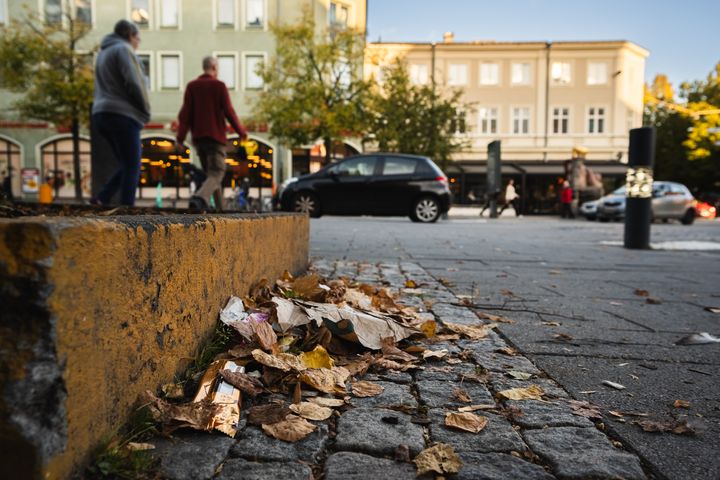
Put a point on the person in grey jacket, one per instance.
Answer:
(120, 109)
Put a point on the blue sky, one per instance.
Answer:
(683, 37)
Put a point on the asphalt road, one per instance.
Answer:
(582, 314)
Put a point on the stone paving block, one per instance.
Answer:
(445, 372)
(552, 390)
(492, 342)
(393, 394)
(582, 453)
(454, 314)
(439, 393)
(544, 414)
(499, 362)
(357, 466)
(240, 469)
(498, 466)
(497, 436)
(377, 431)
(437, 295)
(253, 444)
(191, 456)
(389, 376)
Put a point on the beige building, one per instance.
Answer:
(540, 99)
(176, 35)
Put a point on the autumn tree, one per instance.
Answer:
(52, 78)
(416, 119)
(314, 88)
(703, 101)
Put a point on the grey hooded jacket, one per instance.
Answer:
(120, 81)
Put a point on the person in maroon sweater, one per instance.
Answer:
(205, 108)
(566, 195)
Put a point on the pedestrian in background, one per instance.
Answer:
(120, 109)
(566, 196)
(7, 192)
(205, 108)
(511, 198)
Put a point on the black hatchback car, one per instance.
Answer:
(371, 184)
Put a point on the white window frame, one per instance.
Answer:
(558, 82)
(236, 87)
(244, 19)
(153, 69)
(244, 70)
(529, 76)
(64, 4)
(497, 72)
(520, 119)
(595, 116)
(161, 73)
(491, 109)
(456, 82)
(560, 117)
(159, 7)
(151, 11)
(4, 20)
(415, 76)
(216, 19)
(339, 5)
(597, 83)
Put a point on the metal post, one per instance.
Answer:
(638, 188)
(494, 176)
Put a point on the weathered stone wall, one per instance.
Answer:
(97, 310)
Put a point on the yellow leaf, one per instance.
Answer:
(292, 429)
(533, 392)
(429, 328)
(410, 284)
(440, 458)
(366, 389)
(311, 411)
(281, 361)
(317, 358)
(466, 421)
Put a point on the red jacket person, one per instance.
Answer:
(205, 108)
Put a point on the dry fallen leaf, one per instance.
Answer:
(198, 415)
(678, 427)
(462, 395)
(139, 447)
(267, 414)
(328, 380)
(391, 352)
(585, 409)
(317, 358)
(681, 404)
(507, 351)
(311, 411)
(550, 324)
(429, 328)
(434, 353)
(173, 390)
(281, 361)
(292, 429)
(494, 318)
(473, 408)
(518, 375)
(440, 458)
(653, 301)
(308, 287)
(712, 309)
(410, 284)
(641, 293)
(533, 392)
(241, 351)
(391, 365)
(466, 421)
(264, 334)
(327, 402)
(563, 337)
(366, 389)
(614, 385)
(243, 382)
(475, 332)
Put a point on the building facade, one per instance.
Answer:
(175, 36)
(541, 99)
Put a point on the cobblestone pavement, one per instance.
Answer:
(523, 439)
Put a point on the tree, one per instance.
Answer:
(313, 85)
(703, 100)
(416, 119)
(53, 79)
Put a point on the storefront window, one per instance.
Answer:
(57, 166)
(163, 165)
(10, 164)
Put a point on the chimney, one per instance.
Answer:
(448, 37)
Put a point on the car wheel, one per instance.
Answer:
(425, 210)
(689, 217)
(603, 219)
(591, 218)
(306, 202)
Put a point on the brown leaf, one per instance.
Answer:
(681, 404)
(308, 287)
(507, 293)
(241, 351)
(358, 367)
(292, 429)
(267, 414)
(391, 365)
(462, 395)
(494, 318)
(402, 454)
(243, 382)
(366, 389)
(563, 337)
(641, 293)
(678, 427)
(440, 458)
(281, 361)
(507, 351)
(327, 402)
(328, 380)
(264, 334)
(427, 354)
(473, 408)
(311, 411)
(533, 392)
(465, 421)
(585, 409)
(476, 332)
(550, 324)
(173, 390)
(197, 415)
(653, 301)
(391, 352)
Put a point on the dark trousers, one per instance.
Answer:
(566, 210)
(212, 159)
(123, 135)
(513, 203)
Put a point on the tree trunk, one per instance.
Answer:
(76, 157)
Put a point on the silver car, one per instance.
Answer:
(670, 200)
(589, 209)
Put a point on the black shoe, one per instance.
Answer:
(197, 204)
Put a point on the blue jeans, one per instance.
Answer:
(123, 135)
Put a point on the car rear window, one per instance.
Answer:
(399, 166)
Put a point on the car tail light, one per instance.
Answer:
(441, 179)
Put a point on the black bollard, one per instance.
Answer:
(494, 175)
(638, 188)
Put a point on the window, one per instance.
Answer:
(57, 166)
(3, 12)
(170, 65)
(83, 11)
(597, 73)
(140, 12)
(457, 74)
(458, 124)
(226, 13)
(418, 74)
(169, 13)
(255, 13)
(342, 71)
(356, 167)
(520, 120)
(560, 120)
(53, 12)
(560, 73)
(399, 166)
(253, 81)
(146, 64)
(338, 15)
(226, 70)
(487, 120)
(489, 74)
(520, 74)
(596, 120)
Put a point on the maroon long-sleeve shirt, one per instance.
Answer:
(205, 107)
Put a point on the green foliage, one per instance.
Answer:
(704, 96)
(42, 64)
(416, 119)
(314, 85)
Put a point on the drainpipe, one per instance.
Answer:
(548, 46)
